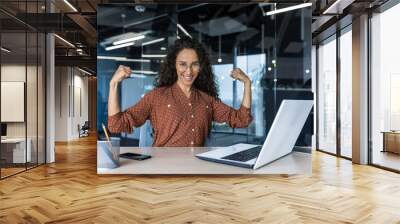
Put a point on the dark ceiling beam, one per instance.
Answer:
(49, 22)
(89, 30)
(329, 16)
(320, 23)
(79, 20)
(15, 17)
(337, 7)
(91, 5)
(81, 61)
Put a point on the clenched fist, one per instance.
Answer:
(121, 73)
(238, 74)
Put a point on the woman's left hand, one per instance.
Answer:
(238, 74)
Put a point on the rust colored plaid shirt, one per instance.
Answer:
(176, 119)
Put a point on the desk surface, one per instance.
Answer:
(168, 160)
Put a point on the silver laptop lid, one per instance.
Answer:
(285, 130)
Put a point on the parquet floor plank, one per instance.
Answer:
(70, 191)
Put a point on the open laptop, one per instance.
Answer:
(285, 130)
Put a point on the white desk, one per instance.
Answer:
(18, 151)
(168, 160)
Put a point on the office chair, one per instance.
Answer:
(84, 130)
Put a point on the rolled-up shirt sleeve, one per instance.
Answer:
(134, 116)
(240, 118)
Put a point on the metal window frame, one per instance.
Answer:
(339, 32)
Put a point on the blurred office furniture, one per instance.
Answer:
(84, 129)
(391, 141)
(13, 151)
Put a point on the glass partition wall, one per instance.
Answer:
(274, 51)
(327, 79)
(345, 62)
(334, 60)
(385, 89)
(22, 100)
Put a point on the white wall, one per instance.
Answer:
(71, 93)
(12, 73)
(79, 117)
(61, 103)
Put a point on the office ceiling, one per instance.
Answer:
(80, 27)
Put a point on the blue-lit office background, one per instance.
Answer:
(274, 51)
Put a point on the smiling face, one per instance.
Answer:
(187, 67)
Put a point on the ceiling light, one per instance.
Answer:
(144, 72)
(153, 55)
(140, 8)
(183, 30)
(138, 76)
(64, 40)
(5, 49)
(153, 41)
(70, 5)
(163, 48)
(122, 59)
(273, 12)
(129, 40)
(119, 46)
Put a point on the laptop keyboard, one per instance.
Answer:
(245, 155)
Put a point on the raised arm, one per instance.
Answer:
(134, 116)
(120, 74)
(238, 74)
(235, 118)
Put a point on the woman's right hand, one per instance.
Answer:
(121, 73)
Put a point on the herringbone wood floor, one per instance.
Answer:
(70, 191)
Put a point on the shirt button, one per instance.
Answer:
(192, 116)
(169, 105)
(190, 104)
(191, 142)
(193, 129)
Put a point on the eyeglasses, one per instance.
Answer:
(183, 66)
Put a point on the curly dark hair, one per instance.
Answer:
(205, 80)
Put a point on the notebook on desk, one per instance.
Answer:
(285, 130)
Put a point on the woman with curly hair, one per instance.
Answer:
(185, 101)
